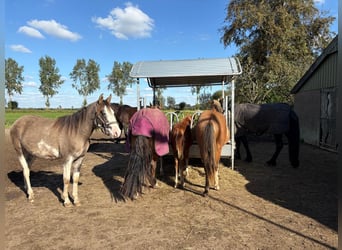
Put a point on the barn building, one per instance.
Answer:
(315, 98)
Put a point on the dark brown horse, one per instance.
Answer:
(148, 138)
(181, 141)
(123, 114)
(65, 138)
(211, 134)
(270, 118)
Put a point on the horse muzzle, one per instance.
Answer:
(113, 130)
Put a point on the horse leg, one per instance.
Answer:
(153, 181)
(207, 186)
(216, 173)
(279, 146)
(75, 178)
(26, 160)
(66, 181)
(184, 171)
(176, 172)
(237, 147)
(248, 152)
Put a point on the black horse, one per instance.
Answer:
(276, 119)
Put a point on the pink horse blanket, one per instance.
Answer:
(151, 122)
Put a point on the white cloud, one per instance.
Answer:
(53, 28)
(20, 48)
(30, 32)
(127, 22)
(30, 84)
(319, 1)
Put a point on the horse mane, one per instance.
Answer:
(74, 122)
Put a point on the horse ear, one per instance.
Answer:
(109, 98)
(100, 100)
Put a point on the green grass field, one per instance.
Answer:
(12, 115)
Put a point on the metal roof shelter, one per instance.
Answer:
(187, 73)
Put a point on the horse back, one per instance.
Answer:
(181, 138)
(216, 120)
(271, 118)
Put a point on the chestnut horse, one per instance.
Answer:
(65, 138)
(148, 139)
(181, 141)
(211, 134)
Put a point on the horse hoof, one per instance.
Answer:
(77, 204)
(205, 193)
(68, 204)
(31, 200)
(217, 188)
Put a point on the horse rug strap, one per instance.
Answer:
(272, 118)
(152, 122)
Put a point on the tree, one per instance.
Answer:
(119, 79)
(50, 80)
(182, 105)
(13, 78)
(197, 90)
(171, 101)
(86, 78)
(278, 42)
(205, 100)
(159, 98)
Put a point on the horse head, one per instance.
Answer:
(215, 104)
(105, 117)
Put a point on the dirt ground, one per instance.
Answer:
(257, 207)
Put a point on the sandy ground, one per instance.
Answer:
(257, 207)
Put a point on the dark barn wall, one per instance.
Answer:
(307, 106)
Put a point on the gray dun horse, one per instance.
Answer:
(65, 138)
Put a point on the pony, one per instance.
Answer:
(272, 118)
(65, 138)
(148, 139)
(211, 133)
(181, 141)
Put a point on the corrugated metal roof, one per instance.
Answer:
(330, 49)
(168, 73)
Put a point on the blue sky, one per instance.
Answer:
(108, 31)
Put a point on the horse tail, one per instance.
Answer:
(294, 139)
(209, 150)
(139, 167)
(180, 147)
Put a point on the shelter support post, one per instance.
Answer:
(138, 94)
(232, 126)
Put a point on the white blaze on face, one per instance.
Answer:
(114, 129)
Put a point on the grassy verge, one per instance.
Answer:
(12, 115)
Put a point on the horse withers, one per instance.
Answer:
(181, 141)
(148, 139)
(65, 138)
(273, 118)
(212, 133)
